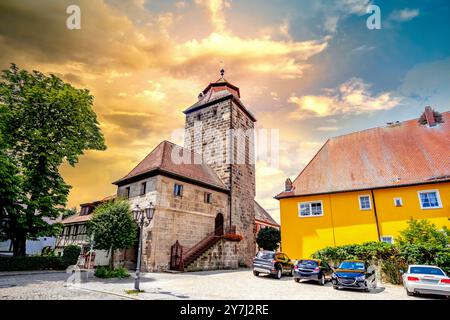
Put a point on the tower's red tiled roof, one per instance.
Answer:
(263, 216)
(219, 91)
(403, 153)
(164, 159)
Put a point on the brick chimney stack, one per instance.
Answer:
(429, 115)
(288, 185)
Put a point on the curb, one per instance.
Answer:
(108, 292)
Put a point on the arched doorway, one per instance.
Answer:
(218, 225)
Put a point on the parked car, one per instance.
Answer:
(273, 263)
(426, 279)
(355, 274)
(311, 269)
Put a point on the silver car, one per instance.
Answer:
(426, 279)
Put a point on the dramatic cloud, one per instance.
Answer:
(215, 10)
(353, 96)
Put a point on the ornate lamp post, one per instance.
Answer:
(142, 218)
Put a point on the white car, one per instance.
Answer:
(426, 279)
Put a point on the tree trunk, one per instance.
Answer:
(19, 245)
(111, 259)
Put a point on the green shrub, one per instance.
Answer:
(29, 263)
(420, 243)
(71, 254)
(268, 238)
(105, 272)
(48, 251)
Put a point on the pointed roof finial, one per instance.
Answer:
(222, 70)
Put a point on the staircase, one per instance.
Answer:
(196, 251)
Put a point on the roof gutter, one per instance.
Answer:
(362, 189)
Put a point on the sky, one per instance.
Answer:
(310, 69)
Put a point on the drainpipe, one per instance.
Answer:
(231, 159)
(376, 216)
(332, 221)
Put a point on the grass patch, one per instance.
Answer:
(134, 291)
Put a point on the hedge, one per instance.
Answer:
(29, 263)
(389, 258)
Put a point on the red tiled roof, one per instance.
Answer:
(263, 216)
(218, 91)
(160, 159)
(77, 219)
(400, 154)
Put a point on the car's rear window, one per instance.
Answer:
(265, 255)
(352, 265)
(427, 270)
(308, 263)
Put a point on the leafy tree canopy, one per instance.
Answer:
(113, 227)
(44, 122)
(268, 238)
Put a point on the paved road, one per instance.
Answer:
(239, 284)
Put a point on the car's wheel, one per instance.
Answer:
(291, 274)
(279, 273)
(255, 273)
(297, 280)
(409, 293)
(336, 287)
(322, 280)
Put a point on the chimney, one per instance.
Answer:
(429, 116)
(288, 185)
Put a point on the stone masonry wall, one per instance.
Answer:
(223, 255)
(187, 219)
(232, 158)
(243, 184)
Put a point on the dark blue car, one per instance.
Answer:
(354, 274)
(311, 269)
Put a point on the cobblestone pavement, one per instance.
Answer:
(238, 284)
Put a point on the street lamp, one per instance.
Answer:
(142, 218)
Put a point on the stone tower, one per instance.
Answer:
(220, 129)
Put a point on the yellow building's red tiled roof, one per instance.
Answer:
(404, 153)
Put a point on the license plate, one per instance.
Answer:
(430, 281)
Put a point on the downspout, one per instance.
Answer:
(376, 215)
(332, 221)
(231, 160)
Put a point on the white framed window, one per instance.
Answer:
(310, 209)
(387, 239)
(398, 202)
(364, 202)
(429, 199)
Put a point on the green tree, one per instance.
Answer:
(423, 232)
(69, 212)
(268, 238)
(113, 227)
(44, 122)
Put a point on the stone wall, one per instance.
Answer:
(226, 142)
(222, 255)
(243, 184)
(187, 219)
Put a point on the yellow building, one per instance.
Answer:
(366, 185)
